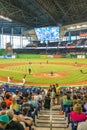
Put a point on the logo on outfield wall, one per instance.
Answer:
(49, 56)
(81, 56)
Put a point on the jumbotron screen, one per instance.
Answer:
(47, 33)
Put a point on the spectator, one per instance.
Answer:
(82, 126)
(68, 101)
(1, 98)
(14, 106)
(28, 106)
(50, 89)
(4, 120)
(67, 104)
(13, 125)
(85, 104)
(26, 119)
(53, 95)
(3, 107)
(57, 93)
(47, 101)
(75, 101)
(80, 99)
(7, 100)
(37, 97)
(33, 102)
(77, 114)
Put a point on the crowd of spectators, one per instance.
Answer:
(73, 102)
(65, 44)
(19, 106)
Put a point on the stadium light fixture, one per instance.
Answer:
(5, 18)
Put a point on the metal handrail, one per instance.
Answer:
(51, 115)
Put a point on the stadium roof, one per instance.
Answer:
(38, 13)
(28, 14)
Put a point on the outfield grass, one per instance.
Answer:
(60, 66)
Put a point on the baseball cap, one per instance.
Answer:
(4, 119)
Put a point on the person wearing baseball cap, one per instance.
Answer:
(4, 120)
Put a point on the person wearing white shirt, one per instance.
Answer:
(82, 125)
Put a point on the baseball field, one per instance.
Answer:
(44, 72)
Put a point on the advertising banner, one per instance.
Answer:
(81, 56)
(43, 56)
(50, 56)
(83, 35)
(57, 56)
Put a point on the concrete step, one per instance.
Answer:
(53, 116)
(44, 128)
(53, 125)
(53, 121)
(54, 111)
(48, 110)
(48, 113)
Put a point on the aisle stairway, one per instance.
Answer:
(43, 120)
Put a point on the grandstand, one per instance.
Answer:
(49, 37)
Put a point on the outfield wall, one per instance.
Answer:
(20, 54)
(1, 51)
(83, 56)
(30, 56)
(36, 56)
(79, 56)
